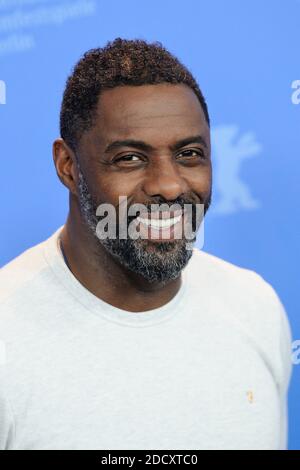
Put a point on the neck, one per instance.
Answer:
(102, 275)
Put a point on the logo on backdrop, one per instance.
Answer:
(19, 20)
(2, 92)
(296, 94)
(230, 150)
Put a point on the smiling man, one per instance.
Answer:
(142, 340)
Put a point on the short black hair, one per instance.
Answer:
(120, 62)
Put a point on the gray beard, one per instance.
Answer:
(161, 262)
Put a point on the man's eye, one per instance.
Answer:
(128, 158)
(197, 153)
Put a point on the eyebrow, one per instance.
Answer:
(148, 148)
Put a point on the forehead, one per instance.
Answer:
(148, 111)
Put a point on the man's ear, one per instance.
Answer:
(65, 164)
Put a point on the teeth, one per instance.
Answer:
(160, 223)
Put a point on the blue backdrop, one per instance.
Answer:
(245, 57)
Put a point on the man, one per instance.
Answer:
(138, 342)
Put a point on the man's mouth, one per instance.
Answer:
(161, 225)
(160, 220)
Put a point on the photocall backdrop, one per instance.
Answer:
(245, 56)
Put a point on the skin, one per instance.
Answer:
(159, 115)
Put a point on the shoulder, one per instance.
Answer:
(20, 271)
(250, 303)
(29, 294)
(27, 286)
(232, 282)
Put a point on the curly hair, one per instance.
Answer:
(120, 62)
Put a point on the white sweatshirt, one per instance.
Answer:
(208, 370)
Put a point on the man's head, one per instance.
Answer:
(134, 123)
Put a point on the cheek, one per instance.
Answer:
(201, 181)
(109, 188)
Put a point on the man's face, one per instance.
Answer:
(158, 168)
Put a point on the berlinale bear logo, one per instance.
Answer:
(229, 152)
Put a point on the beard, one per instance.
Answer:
(155, 261)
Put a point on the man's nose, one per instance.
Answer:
(164, 179)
